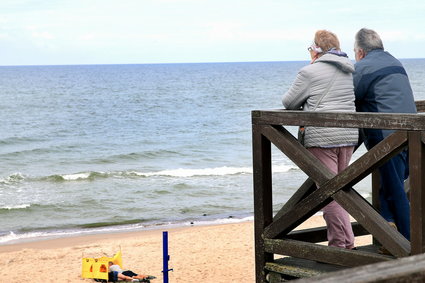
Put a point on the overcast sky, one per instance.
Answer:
(46, 32)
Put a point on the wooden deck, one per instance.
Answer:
(274, 234)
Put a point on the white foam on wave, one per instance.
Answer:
(217, 171)
(18, 206)
(283, 168)
(76, 176)
(15, 177)
(34, 236)
(179, 172)
(12, 237)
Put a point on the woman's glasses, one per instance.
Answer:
(315, 48)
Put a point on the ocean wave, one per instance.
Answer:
(26, 207)
(34, 151)
(12, 237)
(80, 176)
(19, 140)
(134, 156)
(113, 223)
(181, 172)
(146, 154)
(59, 232)
(15, 207)
(13, 178)
(217, 171)
(177, 173)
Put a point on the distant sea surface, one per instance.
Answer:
(101, 148)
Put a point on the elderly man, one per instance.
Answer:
(381, 84)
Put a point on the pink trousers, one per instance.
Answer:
(340, 233)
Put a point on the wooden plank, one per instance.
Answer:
(395, 121)
(420, 105)
(263, 204)
(408, 269)
(297, 267)
(316, 252)
(274, 277)
(417, 191)
(347, 178)
(319, 234)
(372, 221)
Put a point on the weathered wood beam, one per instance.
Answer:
(420, 105)
(322, 253)
(395, 121)
(263, 204)
(293, 268)
(417, 191)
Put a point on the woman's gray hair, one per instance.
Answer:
(368, 40)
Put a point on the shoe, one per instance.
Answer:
(383, 251)
(135, 280)
(147, 278)
(392, 224)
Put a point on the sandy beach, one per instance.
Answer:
(219, 253)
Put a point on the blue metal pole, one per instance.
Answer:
(165, 255)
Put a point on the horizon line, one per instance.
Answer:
(168, 63)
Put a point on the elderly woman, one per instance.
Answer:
(327, 85)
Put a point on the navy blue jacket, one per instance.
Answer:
(381, 84)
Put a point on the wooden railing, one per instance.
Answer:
(274, 234)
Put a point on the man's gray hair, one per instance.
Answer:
(368, 40)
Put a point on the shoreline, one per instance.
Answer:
(35, 236)
(218, 253)
(72, 240)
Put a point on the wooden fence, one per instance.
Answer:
(274, 234)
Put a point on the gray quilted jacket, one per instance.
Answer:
(308, 87)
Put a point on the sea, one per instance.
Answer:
(109, 148)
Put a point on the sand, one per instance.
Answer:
(219, 253)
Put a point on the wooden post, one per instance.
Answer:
(263, 204)
(417, 191)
